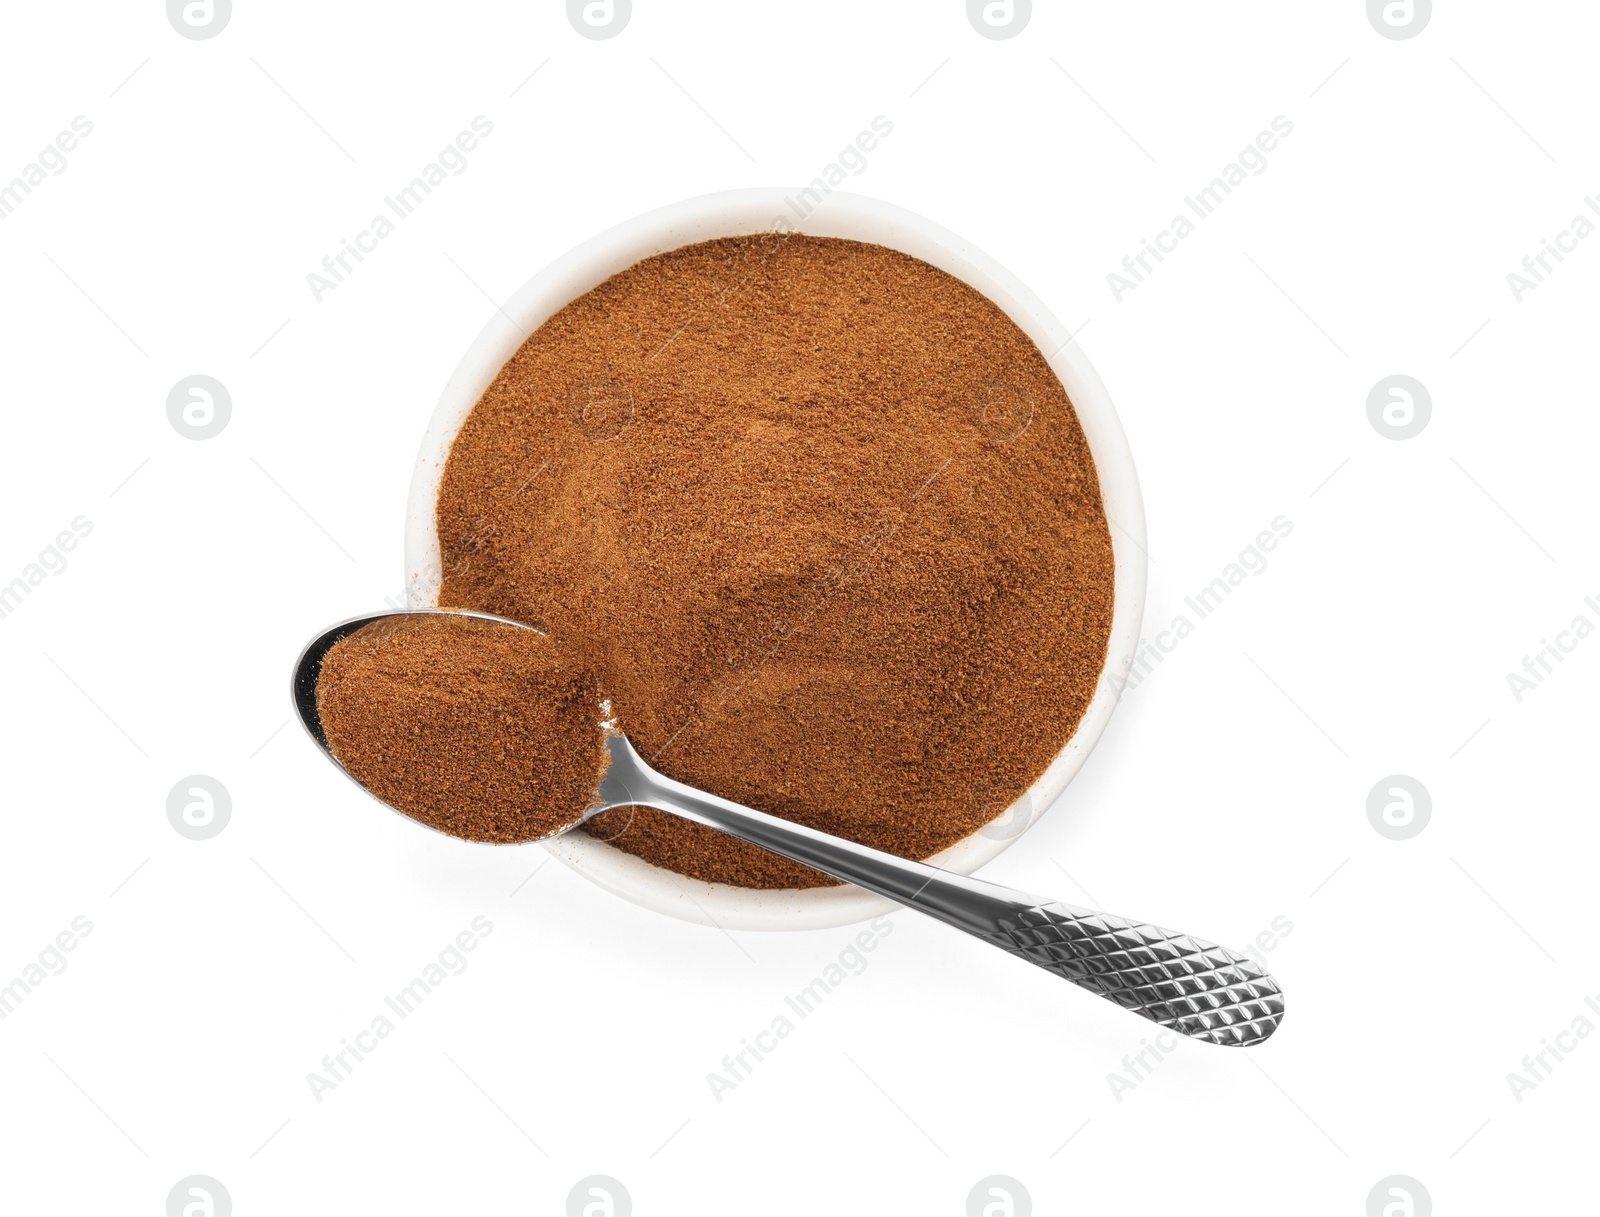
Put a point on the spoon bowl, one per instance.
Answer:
(308, 672)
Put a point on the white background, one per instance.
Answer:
(1230, 789)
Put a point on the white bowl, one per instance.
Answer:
(747, 212)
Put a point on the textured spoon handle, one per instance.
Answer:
(1185, 983)
(1194, 987)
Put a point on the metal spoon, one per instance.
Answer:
(1180, 982)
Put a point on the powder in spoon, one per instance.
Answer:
(477, 728)
(822, 520)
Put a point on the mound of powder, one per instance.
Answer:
(822, 521)
(477, 728)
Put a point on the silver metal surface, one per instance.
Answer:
(1194, 987)
(1191, 986)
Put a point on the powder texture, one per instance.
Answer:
(479, 729)
(822, 521)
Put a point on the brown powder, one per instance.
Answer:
(823, 522)
(479, 729)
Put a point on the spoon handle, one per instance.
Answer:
(1179, 981)
(1191, 986)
